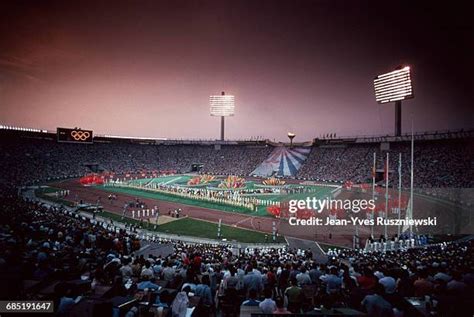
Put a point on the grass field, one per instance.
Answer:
(185, 226)
(199, 228)
(182, 200)
(319, 192)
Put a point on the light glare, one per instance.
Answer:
(393, 86)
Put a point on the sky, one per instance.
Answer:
(147, 68)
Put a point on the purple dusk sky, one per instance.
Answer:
(147, 68)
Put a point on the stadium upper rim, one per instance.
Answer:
(324, 139)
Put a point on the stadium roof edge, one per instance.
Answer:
(429, 135)
(426, 136)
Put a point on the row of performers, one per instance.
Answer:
(232, 198)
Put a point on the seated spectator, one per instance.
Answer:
(367, 280)
(271, 280)
(136, 268)
(422, 285)
(148, 283)
(456, 286)
(65, 300)
(253, 280)
(349, 283)
(147, 271)
(126, 270)
(280, 307)
(376, 305)
(231, 282)
(389, 284)
(332, 280)
(268, 305)
(204, 291)
(294, 296)
(168, 272)
(179, 306)
(252, 299)
(442, 275)
(133, 312)
(303, 277)
(315, 273)
(190, 286)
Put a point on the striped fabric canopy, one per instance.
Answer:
(283, 161)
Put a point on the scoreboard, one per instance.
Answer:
(74, 135)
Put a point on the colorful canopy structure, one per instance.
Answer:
(283, 161)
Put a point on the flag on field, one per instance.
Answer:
(385, 170)
(400, 165)
(374, 169)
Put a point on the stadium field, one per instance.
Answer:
(185, 226)
(194, 209)
(201, 229)
(319, 192)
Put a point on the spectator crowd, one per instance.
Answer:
(27, 161)
(85, 261)
(437, 163)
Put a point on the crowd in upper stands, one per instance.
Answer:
(436, 163)
(337, 164)
(29, 160)
(83, 261)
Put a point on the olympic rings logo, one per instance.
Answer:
(80, 135)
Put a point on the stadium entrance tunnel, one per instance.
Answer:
(196, 167)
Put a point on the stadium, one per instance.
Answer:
(97, 222)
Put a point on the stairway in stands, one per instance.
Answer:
(318, 254)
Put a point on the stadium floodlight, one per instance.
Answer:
(222, 106)
(394, 86)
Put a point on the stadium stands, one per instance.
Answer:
(82, 264)
(27, 160)
(438, 163)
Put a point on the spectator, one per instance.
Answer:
(303, 277)
(294, 296)
(332, 280)
(204, 291)
(367, 280)
(180, 305)
(252, 299)
(376, 305)
(268, 305)
(422, 285)
(253, 280)
(456, 286)
(280, 310)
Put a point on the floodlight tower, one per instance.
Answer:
(222, 106)
(394, 86)
(291, 136)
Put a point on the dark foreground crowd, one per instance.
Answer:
(49, 254)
